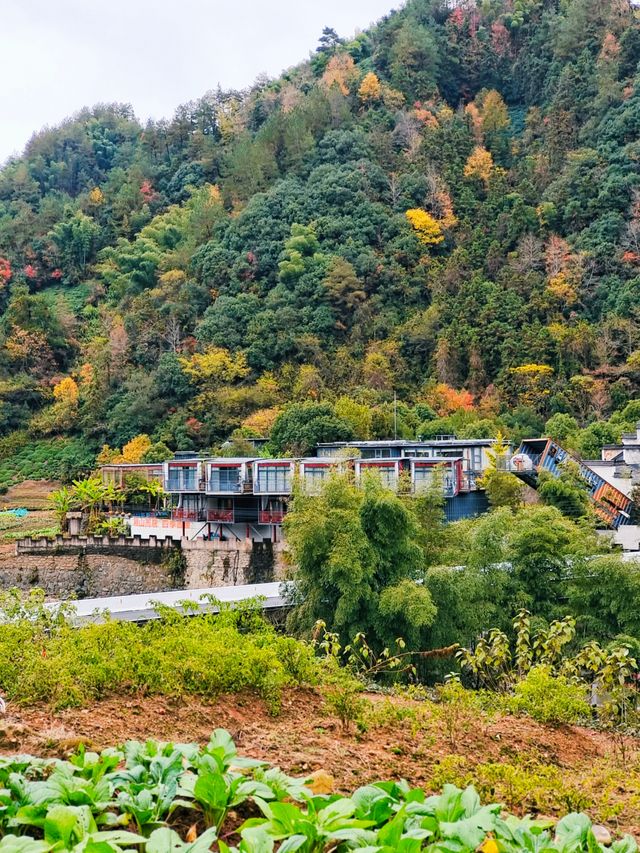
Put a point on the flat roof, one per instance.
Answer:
(229, 460)
(132, 465)
(141, 608)
(401, 442)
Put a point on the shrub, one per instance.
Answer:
(205, 655)
(549, 699)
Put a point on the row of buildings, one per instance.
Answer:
(247, 498)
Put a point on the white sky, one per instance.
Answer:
(57, 56)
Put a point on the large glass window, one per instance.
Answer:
(387, 473)
(423, 478)
(182, 479)
(224, 479)
(274, 478)
(476, 459)
(314, 477)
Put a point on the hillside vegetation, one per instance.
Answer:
(445, 206)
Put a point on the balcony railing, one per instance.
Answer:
(184, 484)
(216, 487)
(188, 515)
(225, 515)
(270, 516)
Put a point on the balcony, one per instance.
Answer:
(188, 515)
(216, 486)
(222, 515)
(271, 516)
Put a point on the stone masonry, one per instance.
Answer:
(88, 566)
(84, 575)
(229, 563)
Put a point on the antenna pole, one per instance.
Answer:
(395, 415)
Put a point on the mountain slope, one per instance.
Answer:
(445, 207)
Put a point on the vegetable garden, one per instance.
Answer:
(160, 797)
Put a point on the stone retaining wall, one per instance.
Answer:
(87, 575)
(230, 563)
(97, 566)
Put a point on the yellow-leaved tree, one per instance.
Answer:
(215, 366)
(426, 226)
(532, 384)
(359, 415)
(370, 89)
(479, 164)
(66, 391)
(261, 421)
(340, 72)
(134, 450)
(96, 196)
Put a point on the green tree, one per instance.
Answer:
(76, 239)
(567, 491)
(301, 426)
(357, 564)
(561, 428)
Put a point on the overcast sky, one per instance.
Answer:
(57, 56)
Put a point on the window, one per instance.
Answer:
(189, 479)
(314, 477)
(182, 479)
(385, 452)
(387, 474)
(389, 477)
(423, 478)
(224, 479)
(192, 503)
(476, 459)
(274, 478)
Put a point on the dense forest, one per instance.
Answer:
(445, 208)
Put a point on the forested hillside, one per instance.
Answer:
(446, 207)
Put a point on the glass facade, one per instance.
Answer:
(224, 479)
(274, 478)
(182, 479)
(423, 478)
(314, 477)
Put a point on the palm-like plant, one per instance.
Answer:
(63, 500)
(154, 491)
(91, 494)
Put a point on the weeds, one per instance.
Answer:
(43, 658)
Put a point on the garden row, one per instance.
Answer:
(161, 797)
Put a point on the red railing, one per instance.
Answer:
(186, 514)
(271, 516)
(220, 515)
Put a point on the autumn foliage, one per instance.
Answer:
(479, 164)
(426, 226)
(445, 400)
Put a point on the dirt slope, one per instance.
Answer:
(529, 767)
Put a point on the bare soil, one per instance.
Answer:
(305, 738)
(31, 495)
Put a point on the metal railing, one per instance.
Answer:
(269, 516)
(224, 515)
(216, 487)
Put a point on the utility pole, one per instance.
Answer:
(395, 415)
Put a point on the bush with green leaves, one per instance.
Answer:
(550, 698)
(63, 459)
(44, 658)
(138, 797)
